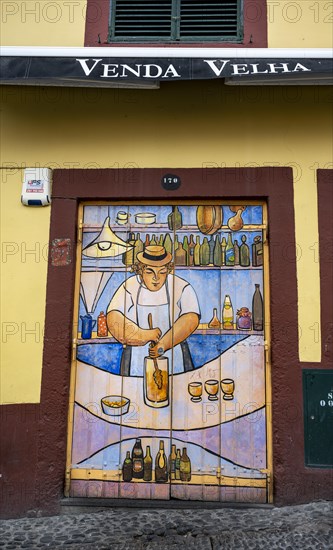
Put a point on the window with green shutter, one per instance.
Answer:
(175, 21)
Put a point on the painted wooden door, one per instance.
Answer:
(171, 376)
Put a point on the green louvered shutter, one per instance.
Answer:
(175, 20)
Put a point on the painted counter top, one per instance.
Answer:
(243, 362)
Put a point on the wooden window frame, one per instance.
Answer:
(254, 29)
(175, 23)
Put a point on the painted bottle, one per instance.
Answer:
(257, 309)
(227, 314)
(161, 466)
(185, 247)
(244, 253)
(236, 252)
(138, 246)
(211, 249)
(127, 468)
(147, 241)
(128, 256)
(137, 460)
(180, 255)
(191, 247)
(185, 467)
(153, 241)
(172, 462)
(197, 251)
(229, 252)
(223, 247)
(204, 252)
(177, 473)
(167, 243)
(176, 243)
(257, 252)
(175, 219)
(102, 329)
(147, 465)
(217, 257)
(214, 322)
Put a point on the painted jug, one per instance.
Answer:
(87, 325)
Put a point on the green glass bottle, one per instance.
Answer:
(211, 249)
(138, 246)
(175, 219)
(176, 243)
(128, 256)
(168, 243)
(153, 241)
(185, 247)
(223, 247)
(204, 252)
(217, 256)
(147, 465)
(161, 240)
(244, 253)
(127, 468)
(197, 248)
(191, 247)
(177, 465)
(229, 252)
(161, 465)
(236, 252)
(185, 467)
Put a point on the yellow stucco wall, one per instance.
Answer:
(24, 238)
(291, 24)
(300, 24)
(189, 124)
(42, 22)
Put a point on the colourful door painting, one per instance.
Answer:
(170, 378)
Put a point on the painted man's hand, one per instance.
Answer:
(156, 351)
(150, 335)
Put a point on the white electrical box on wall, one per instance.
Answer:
(36, 190)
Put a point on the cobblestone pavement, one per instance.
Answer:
(290, 528)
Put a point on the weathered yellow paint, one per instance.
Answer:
(189, 124)
(42, 23)
(24, 237)
(300, 24)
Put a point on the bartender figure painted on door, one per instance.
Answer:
(170, 373)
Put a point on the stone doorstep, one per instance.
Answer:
(84, 505)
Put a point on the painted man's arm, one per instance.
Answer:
(127, 332)
(182, 328)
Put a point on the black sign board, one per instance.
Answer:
(106, 69)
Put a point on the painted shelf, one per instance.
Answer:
(159, 227)
(203, 329)
(177, 268)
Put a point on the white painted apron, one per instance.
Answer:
(158, 304)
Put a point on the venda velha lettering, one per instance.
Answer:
(123, 70)
(218, 66)
(215, 67)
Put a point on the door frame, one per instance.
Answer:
(271, 184)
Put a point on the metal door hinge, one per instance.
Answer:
(67, 482)
(79, 231)
(267, 349)
(74, 348)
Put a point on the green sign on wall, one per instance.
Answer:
(318, 417)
